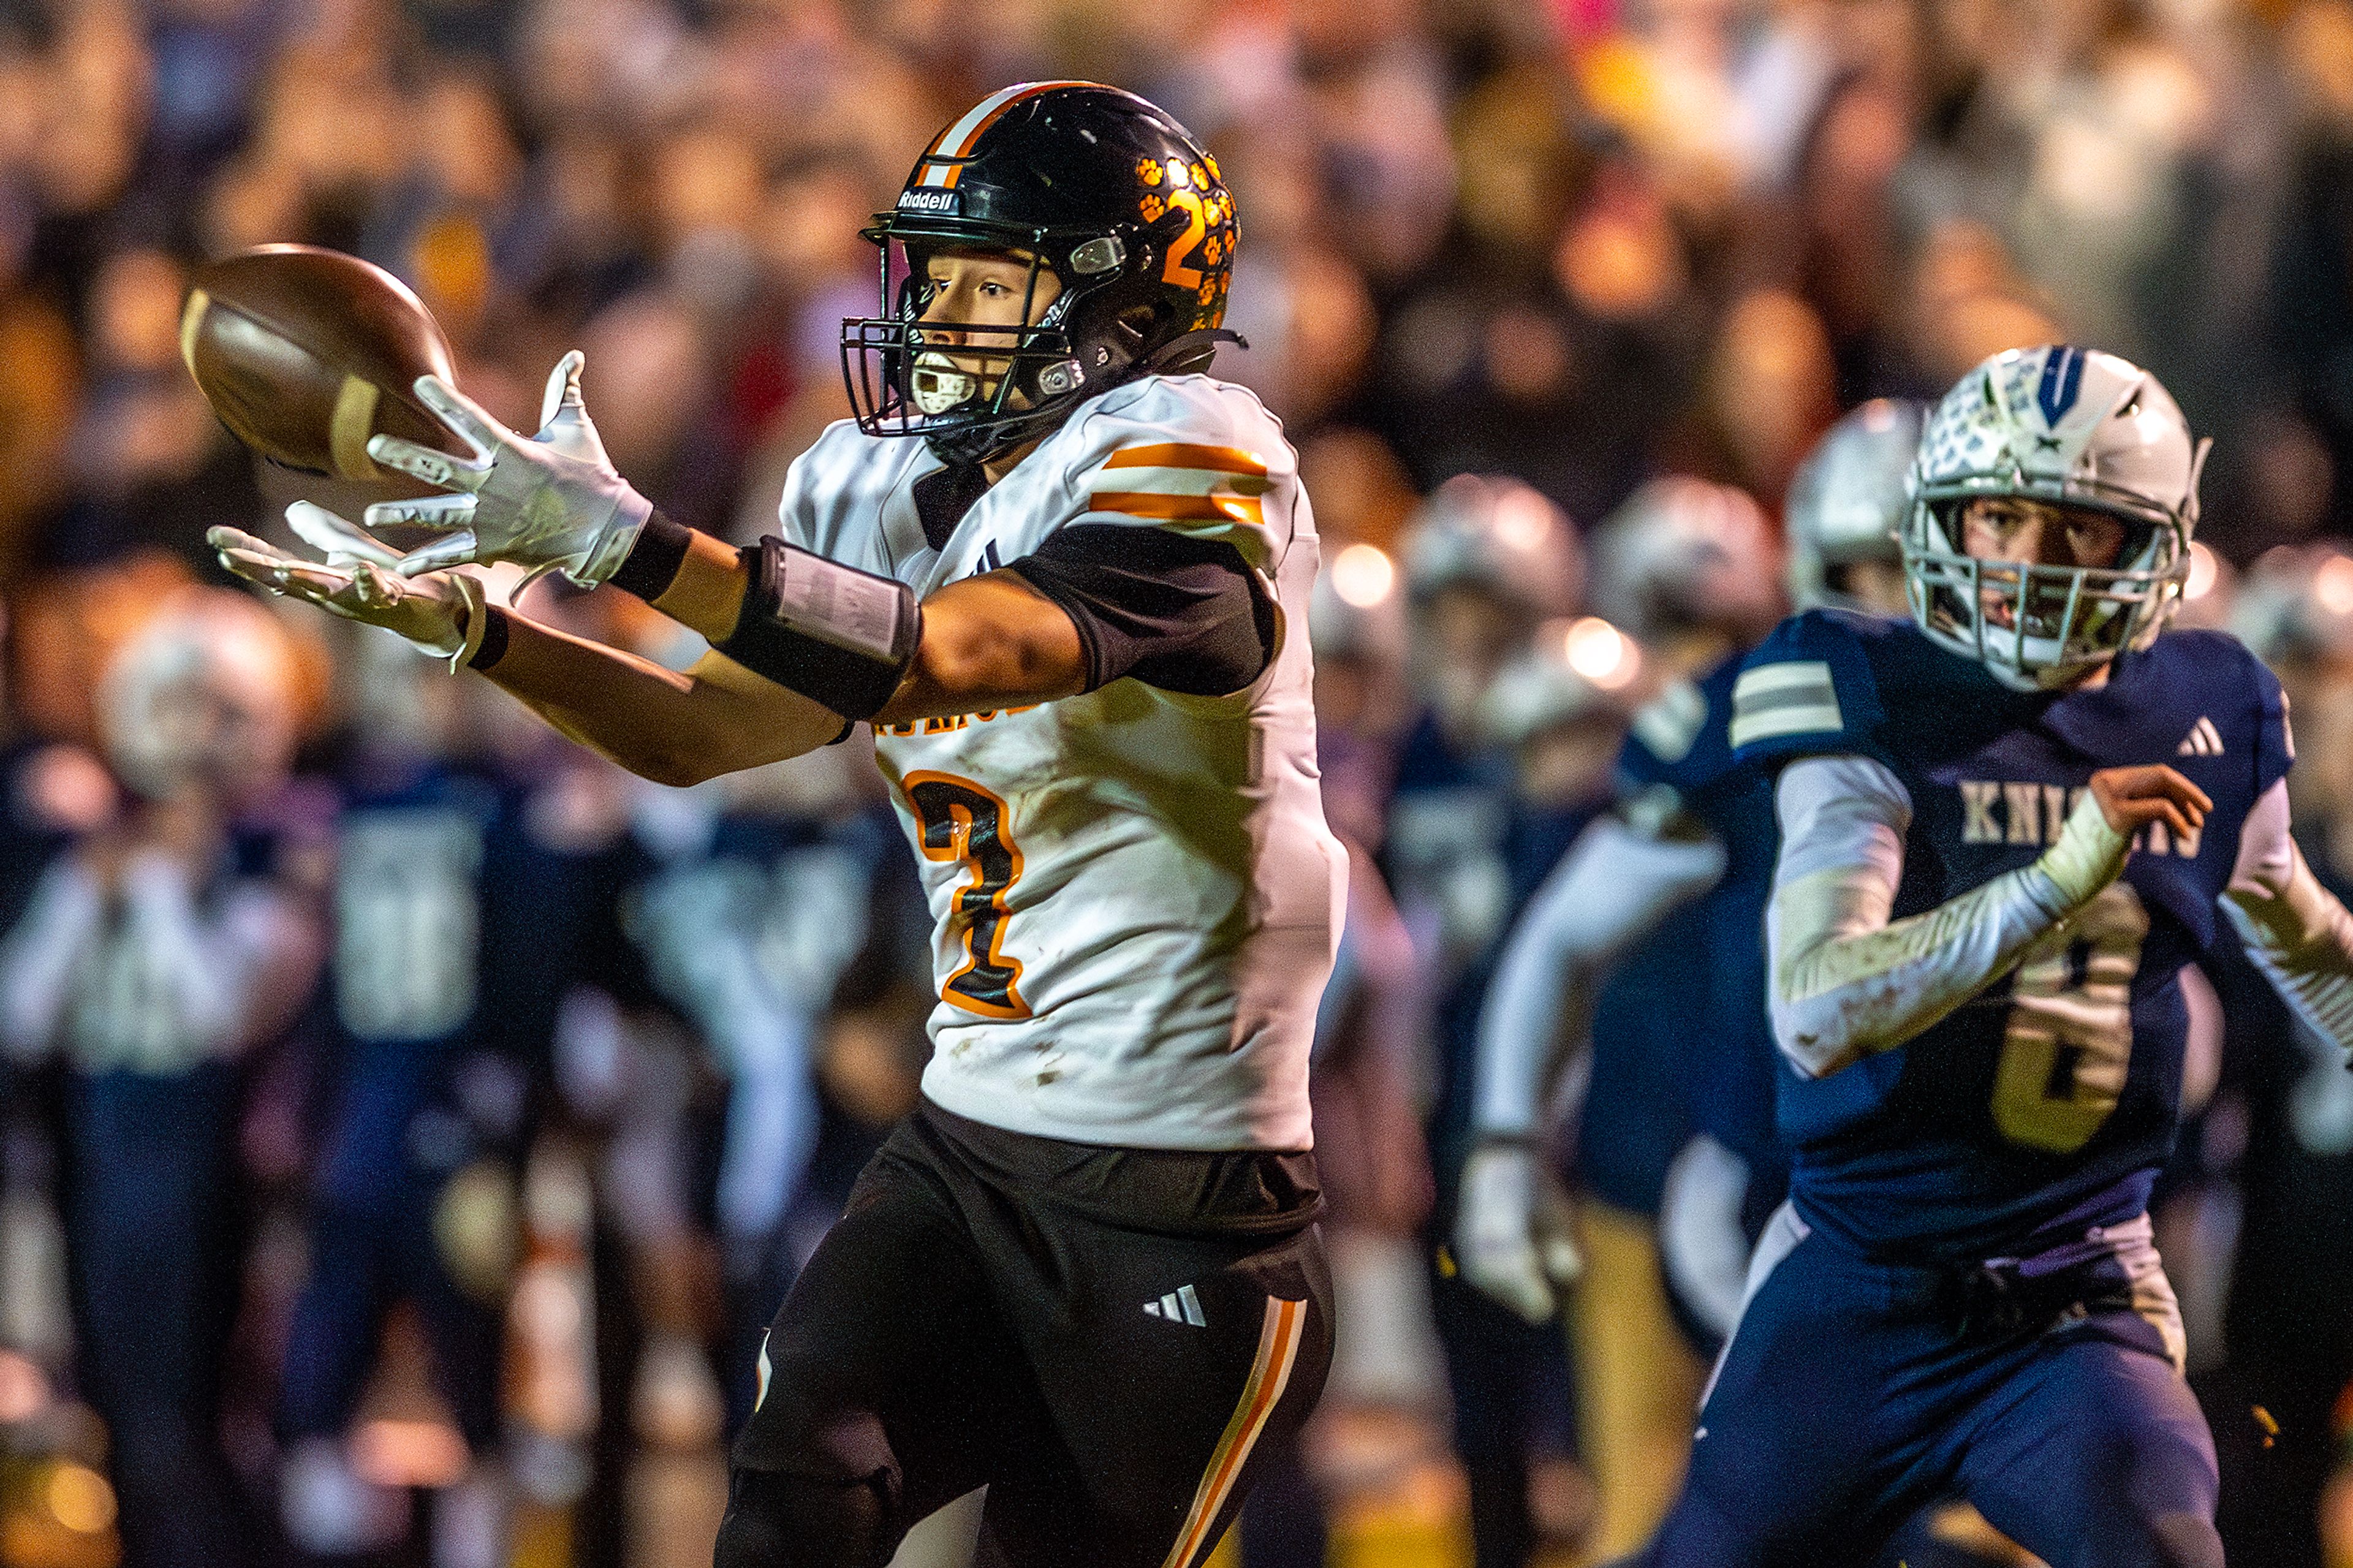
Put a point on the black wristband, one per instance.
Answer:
(834, 634)
(493, 645)
(653, 562)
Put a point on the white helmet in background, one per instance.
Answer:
(1683, 554)
(1497, 535)
(2068, 427)
(2295, 605)
(205, 691)
(1849, 498)
(1537, 691)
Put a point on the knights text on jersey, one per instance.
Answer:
(1136, 897)
(2045, 1105)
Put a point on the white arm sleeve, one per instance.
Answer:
(1847, 981)
(2295, 930)
(1612, 889)
(38, 959)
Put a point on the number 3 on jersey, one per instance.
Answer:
(961, 821)
(2070, 1038)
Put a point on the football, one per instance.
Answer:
(305, 352)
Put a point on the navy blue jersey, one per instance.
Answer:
(2045, 1105)
(1682, 1041)
(450, 942)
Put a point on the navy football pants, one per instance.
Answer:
(1849, 1397)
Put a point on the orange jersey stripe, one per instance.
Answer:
(1179, 509)
(1176, 454)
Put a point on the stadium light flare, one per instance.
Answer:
(1601, 653)
(1363, 575)
(2332, 585)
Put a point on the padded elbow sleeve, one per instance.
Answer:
(838, 635)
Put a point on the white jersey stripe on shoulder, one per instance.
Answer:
(1810, 719)
(1278, 1347)
(1784, 700)
(1771, 677)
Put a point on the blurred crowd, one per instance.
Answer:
(410, 1121)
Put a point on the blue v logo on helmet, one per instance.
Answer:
(2062, 383)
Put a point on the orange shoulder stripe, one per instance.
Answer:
(1177, 455)
(1164, 508)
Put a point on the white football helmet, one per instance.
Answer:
(1498, 535)
(1538, 691)
(1848, 499)
(1683, 553)
(2072, 427)
(2296, 606)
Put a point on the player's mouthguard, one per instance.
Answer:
(937, 386)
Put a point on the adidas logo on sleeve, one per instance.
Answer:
(2203, 740)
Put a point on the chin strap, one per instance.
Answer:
(1187, 353)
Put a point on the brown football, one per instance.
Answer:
(305, 352)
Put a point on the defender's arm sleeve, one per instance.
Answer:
(1613, 889)
(1174, 610)
(2296, 930)
(1846, 980)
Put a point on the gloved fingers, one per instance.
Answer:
(332, 535)
(563, 394)
(373, 588)
(434, 512)
(1562, 1261)
(451, 550)
(224, 539)
(1515, 1283)
(425, 463)
(287, 574)
(469, 418)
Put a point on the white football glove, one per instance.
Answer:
(358, 581)
(1512, 1232)
(549, 502)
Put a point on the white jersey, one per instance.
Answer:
(1137, 896)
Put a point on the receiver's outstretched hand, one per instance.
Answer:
(551, 502)
(356, 581)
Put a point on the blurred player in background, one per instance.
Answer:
(2286, 1122)
(433, 1036)
(1487, 561)
(1064, 610)
(2004, 831)
(1689, 567)
(154, 952)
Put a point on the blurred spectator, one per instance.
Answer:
(156, 950)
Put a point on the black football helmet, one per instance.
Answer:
(1112, 195)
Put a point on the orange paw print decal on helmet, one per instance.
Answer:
(1148, 171)
(1178, 177)
(1152, 206)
